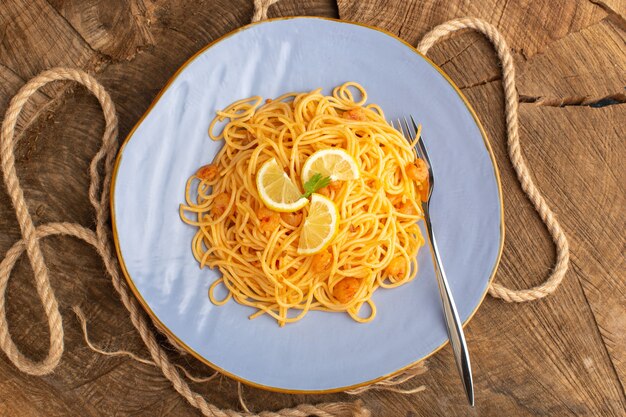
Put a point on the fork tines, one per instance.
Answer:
(409, 132)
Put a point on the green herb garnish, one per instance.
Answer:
(314, 183)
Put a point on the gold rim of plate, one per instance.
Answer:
(171, 334)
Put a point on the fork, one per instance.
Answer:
(453, 323)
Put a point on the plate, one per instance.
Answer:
(324, 352)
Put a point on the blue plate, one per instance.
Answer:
(324, 352)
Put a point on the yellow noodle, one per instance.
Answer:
(264, 270)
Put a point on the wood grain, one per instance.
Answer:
(117, 29)
(528, 26)
(564, 355)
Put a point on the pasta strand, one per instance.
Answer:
(378, 238)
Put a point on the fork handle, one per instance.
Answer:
(453, 323)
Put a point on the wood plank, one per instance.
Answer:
(560, 356)
(304, 8)
(594, 175)
(579, 69)
(117, 29)
(584, 67)
(10, 83)
(26, 397)
(614, 7)
(469, 58)
(528, 26)
(35, 37)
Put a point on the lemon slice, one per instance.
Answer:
(335, 163)
(320, 225)
(276, 189)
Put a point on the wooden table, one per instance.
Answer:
(564, 355)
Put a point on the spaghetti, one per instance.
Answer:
(378, 237)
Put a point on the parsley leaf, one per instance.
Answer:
(314, 183)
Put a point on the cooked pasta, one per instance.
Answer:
(256, 248)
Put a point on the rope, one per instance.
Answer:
(515, 154)
(391, 384)
(99, 197)
(260, 9)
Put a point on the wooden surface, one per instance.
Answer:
(562, 356)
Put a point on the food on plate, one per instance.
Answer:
(312, 203)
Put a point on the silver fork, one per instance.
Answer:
(453, 323)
